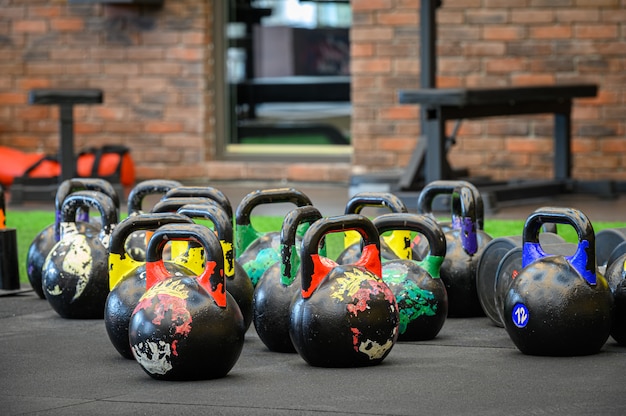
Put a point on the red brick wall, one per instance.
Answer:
(493, 43)
(150, 62)
(155, 66)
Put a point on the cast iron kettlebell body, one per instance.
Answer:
(186, 328)
(280, 284)
(238, 283)
(558, 305)
(345, 316)
(75, 276)
(136, 243)
(49, 236)
(464, 245)
(127, 276)
(420, 293)
(616, 278)
(256, 250)
(425, 202)
(394, 246)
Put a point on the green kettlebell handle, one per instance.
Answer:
(583, 260)
(245, 233)
(203, 192)
(145, 188)
(120, 263)
(464, 218)
(315, 267)
(223, 227)
(88, 199)
(288, 251)
(423, 224)
(69, 186)
(446, 187)
(212, 277)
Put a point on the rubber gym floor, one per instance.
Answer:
(53, 366)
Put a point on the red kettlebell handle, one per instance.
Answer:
(315, 267)
(288, 253)
(211, 279)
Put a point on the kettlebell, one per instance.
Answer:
(127, 276)
(280, 284)
(558, 305)
(136, 243)
(186, 328)
(49, 236)
(345, 316)
(75, 272)
(396, 245)
(237, 281)
(420, 293)
(257, 250)
(182, 252)
(489, 263)
(464, 245)
(425, 202)
(615, 276)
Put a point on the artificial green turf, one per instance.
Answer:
(30, 223)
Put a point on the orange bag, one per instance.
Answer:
(108, 162)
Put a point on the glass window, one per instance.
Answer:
(287, 74)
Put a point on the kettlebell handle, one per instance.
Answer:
(119, 260)
(315, 267)
(583, 260)
(223, 226)
(211, 278)
(145, 188)
(423, 224)
(210, 192)
(374, 199)
(69, 186)
(245, 233)
(446, 187)
(464, 217)
(288, 252)
(174, 204)
(88, 199)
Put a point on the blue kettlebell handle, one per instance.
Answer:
(446, 187)
(583, 260)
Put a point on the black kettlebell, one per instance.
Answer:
(488, 265)
(75, 276)
(186, 328)
(136, 243)
(394, 246)
(258, 250)
(425, 202)
(558, 305)
(127, 276)
(49, 236)
(420, 293)
(187, 255)
(464, 245)
(345, 316)
(280, 284)
(237, 281)
(616, 278)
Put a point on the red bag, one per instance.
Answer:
(108, 162)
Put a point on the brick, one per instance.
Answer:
(399, 112)
(599, 31)
(396, 18)
(67, 24)
(486, 16)
(361, 50)
(484, 49)
(12, 98)
(508, 32)
(370, 5)
(30, 26)
(577, 15)
(533, 79)
(185, 54)
(550, 32)
(532, 16)
(370, 66)
(505, 65)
